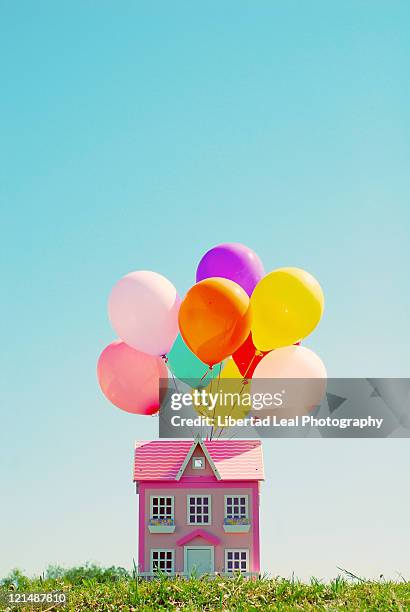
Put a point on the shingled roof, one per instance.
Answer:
(230, 459)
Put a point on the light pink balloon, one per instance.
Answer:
(299, 363)
(130, 379)
(290, 362)
(143, 309)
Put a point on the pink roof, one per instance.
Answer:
(233, 459)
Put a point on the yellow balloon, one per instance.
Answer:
(230, 370)
(287, 304)
(232, 394)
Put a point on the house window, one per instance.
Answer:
(162, 560)
(198, 463)
(199, 510)
(162, 507)
(236, 506)
(237, 560)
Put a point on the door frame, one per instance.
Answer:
(211, 548)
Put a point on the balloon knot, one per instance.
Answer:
(245, 381)
(258, 353)
(164, 357)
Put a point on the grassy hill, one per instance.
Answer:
(95, 589)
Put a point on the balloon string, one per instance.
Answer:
(251, 362)
(245, 381)
(217, 390)
(209, 369)
(219, 375)
(166, 361)
(210, 393)
(166, 422)
(206, 373)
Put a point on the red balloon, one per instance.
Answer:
(247, 357)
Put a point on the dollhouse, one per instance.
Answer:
(198, 506)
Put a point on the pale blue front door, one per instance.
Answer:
(199, 560)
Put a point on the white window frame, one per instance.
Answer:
(160, 550)
(188, 514)
(246, 504)
(237, 550)
(202, 466)
(151, 505)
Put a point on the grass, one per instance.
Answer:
(96, 589)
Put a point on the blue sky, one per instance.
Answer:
(138, 135)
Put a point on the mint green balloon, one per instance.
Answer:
(183, 363)
(186, 366)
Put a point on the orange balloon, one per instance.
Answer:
(215, 319)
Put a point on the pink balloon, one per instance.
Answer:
(130, 379)
(304, 367)
(291, 362)
(143, 309)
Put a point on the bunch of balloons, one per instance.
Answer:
(233, 310)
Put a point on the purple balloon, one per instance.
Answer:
(234, 261)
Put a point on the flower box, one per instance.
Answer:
(236, 525)
(237, 528)
(161, 526)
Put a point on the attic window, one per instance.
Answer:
(198, 463)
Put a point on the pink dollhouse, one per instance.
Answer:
(198, 506)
